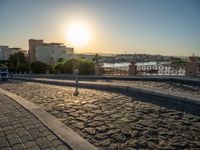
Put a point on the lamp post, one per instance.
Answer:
(76, 72)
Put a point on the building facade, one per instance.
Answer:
(4, 52)
(32, 48)
(51, 53)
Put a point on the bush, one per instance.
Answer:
(57, 68)
(23, 68)
(84, 66)
(69, 65)
(39, 67)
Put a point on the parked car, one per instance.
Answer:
(4, 73)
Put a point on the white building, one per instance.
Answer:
(51, 53)
(5, 52)
(13, 50)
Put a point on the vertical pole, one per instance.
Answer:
(76, 86)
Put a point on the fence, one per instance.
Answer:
(159, 69)
(116, 71)
(170, 70)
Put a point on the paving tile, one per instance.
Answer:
(29, 144)
(3, 143)
(18, 147)
(43, 143)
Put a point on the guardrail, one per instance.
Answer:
(160, 69)
(117, 71)
(170, 70)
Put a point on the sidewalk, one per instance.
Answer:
(19, 129)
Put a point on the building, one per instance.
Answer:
(4, 52)
(32, 47)
(51, 53)
(14, 50)
(25, 52)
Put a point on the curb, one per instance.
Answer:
(159, 78)
(186, 104)
(66, 134)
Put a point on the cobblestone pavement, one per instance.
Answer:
(112, 120)
(20, 130)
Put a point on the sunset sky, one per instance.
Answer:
(168, 27)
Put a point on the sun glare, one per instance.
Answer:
(78, 35)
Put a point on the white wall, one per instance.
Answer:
(4, 52)
(50, 54)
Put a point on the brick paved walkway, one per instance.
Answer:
(19, 129)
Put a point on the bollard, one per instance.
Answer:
(76, 72)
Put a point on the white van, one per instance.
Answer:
(4, 73)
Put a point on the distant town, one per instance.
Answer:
(51, 53)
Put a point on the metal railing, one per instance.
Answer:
(159, 69)
(165, 69)
(116, 71)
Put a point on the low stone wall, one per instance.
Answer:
(182, 80)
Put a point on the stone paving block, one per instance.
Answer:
(56, 143)
(1, 133)
(7, 132)
(34, 148)
(47, 133)
(43, 143)
(5, 124)
(38, 125)
(35, 133)
(51, 148)
(11, 136)
(30, 144)
(30, 126)
(7, 148)
(3, 143)
(42, 129)
(26, 138)
(14, 141)
(18, 147)
(22, 134)
(17, 125)
(51, 137)
(20, 130)
(61, 147)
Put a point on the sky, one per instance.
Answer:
(166, 27)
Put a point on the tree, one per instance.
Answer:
(39, 67)
(17, 59)
(85, 67)
(96, 58)
(1, 65)
(57, 68)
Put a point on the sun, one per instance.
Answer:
(78, 35)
